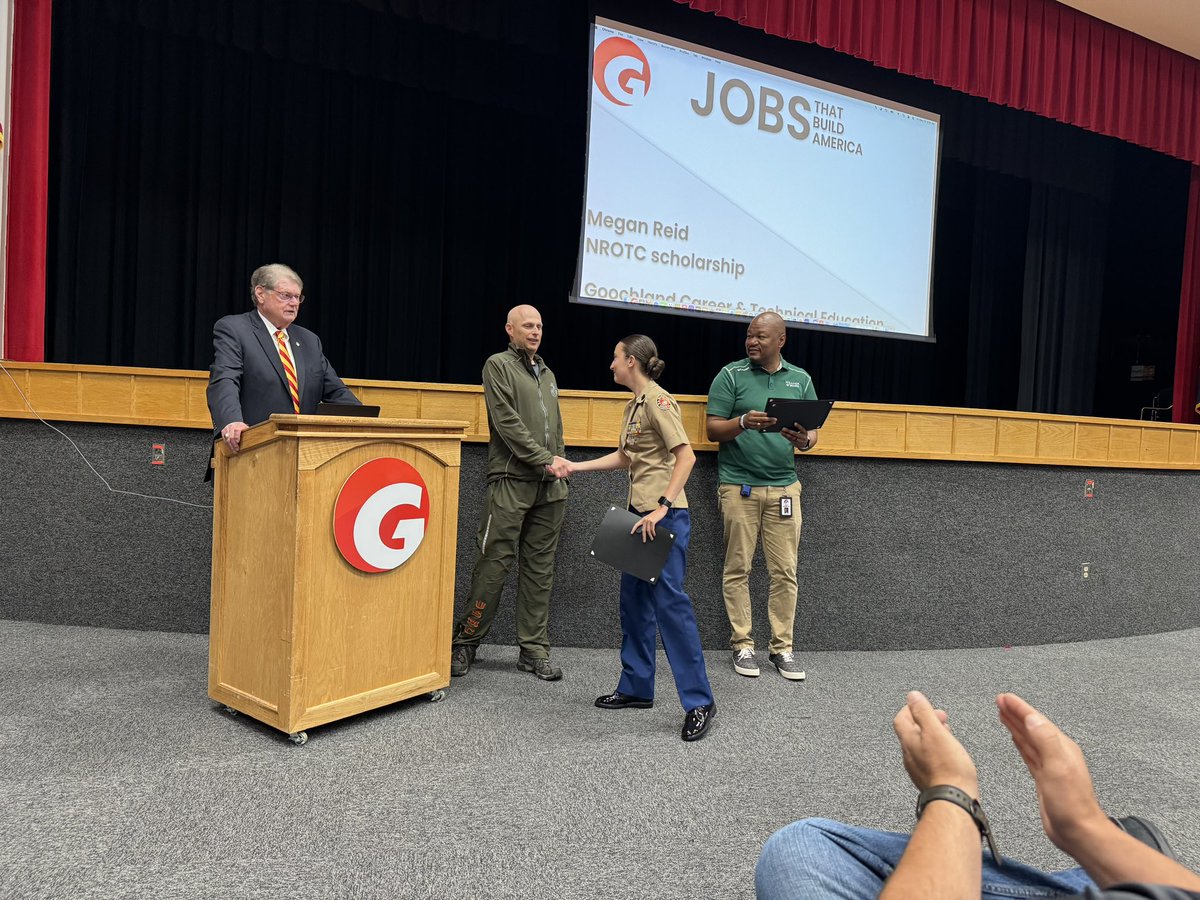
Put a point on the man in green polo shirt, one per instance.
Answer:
(759, 491)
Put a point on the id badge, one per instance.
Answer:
(785, 507)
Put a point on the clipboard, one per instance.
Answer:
(809, 413)
(616, 547)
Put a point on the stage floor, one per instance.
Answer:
(122, 779)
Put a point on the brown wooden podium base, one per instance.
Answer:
(299, 635)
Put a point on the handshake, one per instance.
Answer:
(560, 468)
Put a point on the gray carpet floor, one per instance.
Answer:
(121, 779)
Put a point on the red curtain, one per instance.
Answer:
(28, 140)
(1036, 55)
(1187, 346)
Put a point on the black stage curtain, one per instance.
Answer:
(421, 164)
(1061, 316)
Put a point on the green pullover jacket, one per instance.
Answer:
(523, 417)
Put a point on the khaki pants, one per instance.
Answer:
(745, 519)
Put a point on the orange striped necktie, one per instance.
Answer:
(289, 369)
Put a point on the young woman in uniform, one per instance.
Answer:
(654, 448)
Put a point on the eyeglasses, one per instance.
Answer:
(286, 298)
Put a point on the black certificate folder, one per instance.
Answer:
(787, 412)
(616, 547)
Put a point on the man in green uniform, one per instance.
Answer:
(759, 492)
(525, 499)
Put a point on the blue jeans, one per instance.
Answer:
(663, 608)
(819, 858)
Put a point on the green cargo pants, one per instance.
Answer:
(527, 514)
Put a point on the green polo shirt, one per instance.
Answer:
(753, 457)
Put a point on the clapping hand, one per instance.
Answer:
(932, 755)
(1066, 799)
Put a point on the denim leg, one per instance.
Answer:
(823, 858)
(637, 638)
(1014, 879)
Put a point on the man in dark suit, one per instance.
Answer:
(263, 363)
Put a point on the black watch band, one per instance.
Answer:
(965, 801)
(663, 501)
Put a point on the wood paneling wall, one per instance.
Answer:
(173, 398)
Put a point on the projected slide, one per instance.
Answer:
(717, 186)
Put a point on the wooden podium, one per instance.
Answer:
(298, 635)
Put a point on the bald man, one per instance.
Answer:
(759, 492)
(525, 499)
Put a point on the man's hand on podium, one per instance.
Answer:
(232, 435)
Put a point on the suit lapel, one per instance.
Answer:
(266, 340)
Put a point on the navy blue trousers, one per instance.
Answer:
(663, 608)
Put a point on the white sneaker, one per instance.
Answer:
(744, 662)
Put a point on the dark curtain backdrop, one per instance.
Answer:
(1061, 312)
(1000, 207)
(421, 165)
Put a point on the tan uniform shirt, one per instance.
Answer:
(653, 427)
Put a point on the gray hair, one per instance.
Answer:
(270, 275)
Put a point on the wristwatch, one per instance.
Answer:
(968, 803)
(663, 501)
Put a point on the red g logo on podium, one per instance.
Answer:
(380, 516)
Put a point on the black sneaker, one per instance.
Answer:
(461, 657)
(539, 667)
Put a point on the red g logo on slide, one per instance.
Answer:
(617, 62)
(380, 516)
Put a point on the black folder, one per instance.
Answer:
(615, 546)
(809, 413)
(347, 409)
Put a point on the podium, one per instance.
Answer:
(332, 567)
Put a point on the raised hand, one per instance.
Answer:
(932, 755)
(1066, 798)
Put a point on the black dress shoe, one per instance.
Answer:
(697, 721)
(617, 700)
